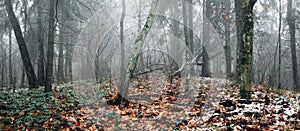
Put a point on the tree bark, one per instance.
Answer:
(291, 18)
(279, 46)
(174, 28)
(246, 49)
(32, 81)
(191, 31)
(3, 67)
(60, 63)
(122, 42)
(69, 44)
(2, 81)
(23, 77)
(41, 56)
(227, 47)
(137, 48)
(11, 81)
(206, 39)
(49, 68)
(239, 31)
(187, 43)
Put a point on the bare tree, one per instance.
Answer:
(291, 18)
(60, 62)
(246, 47)
(191, 29)
(50, 53)
(70, 40)
(32, 81)
(187, 41)
(41, 56)
(137, 48)
(227, 47)
(239, 31)
(206, 38)
(9, 60)
(279, 46)
(122, 42)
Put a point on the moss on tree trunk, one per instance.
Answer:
(246, 49)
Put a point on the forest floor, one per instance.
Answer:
(208, 104)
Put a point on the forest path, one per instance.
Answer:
(215, 105)
(155, 105)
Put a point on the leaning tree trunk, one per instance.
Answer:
(246, 49)
(32, 81)
(291, 18)
(137, 48)
(49, 69)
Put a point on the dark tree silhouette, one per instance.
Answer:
(32, 81)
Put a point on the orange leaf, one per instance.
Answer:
(93, 127)
(232, 23)
(21, 113)
(123, 113)
(226, 17)
(134, 118)
(28, 99)
(54, 93)
(66, 129)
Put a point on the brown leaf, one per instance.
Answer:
(54, 93)
(266, 8)
(123, 112)
(226, 17)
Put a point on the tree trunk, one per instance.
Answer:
(122, 42)
(97, 69)
(70, 63)
(206, 38)
(41, 56)
(191, 31)
(140, 15)
(174, 28)
(279, 47)
(246, 49)
(23, 77)
(50, 53)
(187, 43)
(227, 47)
(291, 18)
(11, 81)
(239, 31)
(32, 81)
(67, 59)
(2, 68)
(137, 48)
(69, 44)
(60, 63)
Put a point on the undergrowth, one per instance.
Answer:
(33, 109)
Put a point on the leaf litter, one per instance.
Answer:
(208, 104)
(213, 104)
